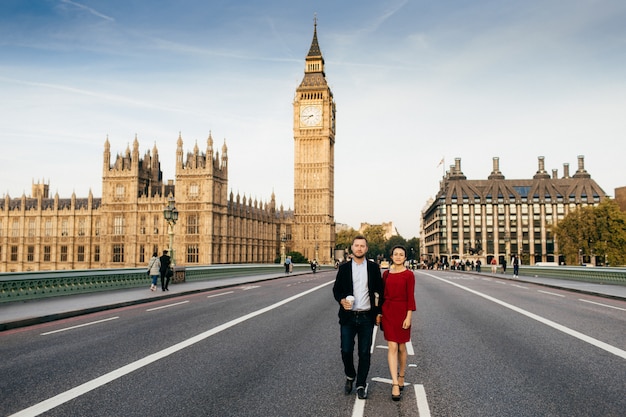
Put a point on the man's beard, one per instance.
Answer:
(359, 257)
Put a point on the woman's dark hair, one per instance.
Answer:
(398, 247)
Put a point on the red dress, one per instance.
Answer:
(399, 298)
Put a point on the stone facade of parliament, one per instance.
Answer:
(126, 225)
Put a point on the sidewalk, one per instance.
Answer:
(617, 292)
(27, 313)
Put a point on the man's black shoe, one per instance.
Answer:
(348, 386)
(361, 392)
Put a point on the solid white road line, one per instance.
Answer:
(80, 325)
(409, 348)
(595, 342)
(359, 408)
(374, 332)
(167, 306)
(422, 401)
(75, 392)
(600, 304)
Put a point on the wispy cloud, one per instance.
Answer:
(96, 94)
(89, 9)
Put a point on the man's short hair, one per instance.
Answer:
(360, 237)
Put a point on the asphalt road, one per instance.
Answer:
(481, 346)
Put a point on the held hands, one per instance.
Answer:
(347, 305)
(378, 319)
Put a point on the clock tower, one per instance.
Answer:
(314, 161)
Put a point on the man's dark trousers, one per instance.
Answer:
(361, 326)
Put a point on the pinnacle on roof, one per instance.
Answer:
(315, 47)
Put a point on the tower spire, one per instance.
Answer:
(314, 51)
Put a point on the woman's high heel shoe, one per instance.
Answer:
(401, 383)
(393, 396)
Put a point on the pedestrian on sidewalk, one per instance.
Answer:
(515, 266)
(154, 267)
(494, 265)
(164, 270)
(288, 265)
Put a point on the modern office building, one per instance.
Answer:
(499, 217)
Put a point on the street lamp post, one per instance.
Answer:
(283, 239)
(171, 217)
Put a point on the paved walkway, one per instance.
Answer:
(603, 290)
(26, 313)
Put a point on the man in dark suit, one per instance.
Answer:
(165, 266)
(359, 291)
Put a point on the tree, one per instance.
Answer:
(598, 231)
(297, 258)
(393, 241)
(378, 246)
(343, 239)
(413, 246)
(610, 227)
(375, 236)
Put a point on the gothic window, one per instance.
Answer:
(194, 190)
(193, 227)
(80, 255)
(47, 254)
(15, 229)
(142, 253)
(30, 255)
(118, 253)
(97, 228)
(63, 257)
(192, 254)
(13, 253)
(96, 253)
(81, 227)
(48, 228)
(142, 225)
(64, 228)
(31, 228)
(118, 225)
(119, 191)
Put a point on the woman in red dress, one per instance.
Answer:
(397, 309)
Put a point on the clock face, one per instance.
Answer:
(310, 115)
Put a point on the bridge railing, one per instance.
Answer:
(597, 275)
(17, 286)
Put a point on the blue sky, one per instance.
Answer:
(414, 82)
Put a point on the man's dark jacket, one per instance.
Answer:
(343, 288)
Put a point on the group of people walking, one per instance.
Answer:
(160, 267)
(367, 299)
